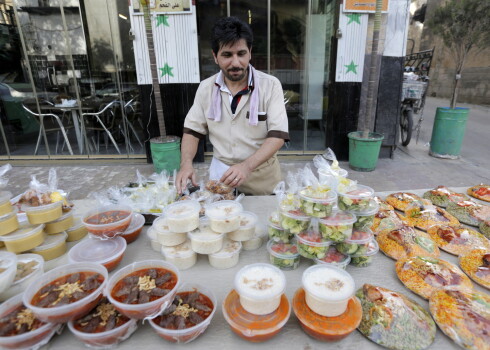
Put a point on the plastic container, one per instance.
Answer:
(283, 255)
(224, 216)
(183, 216)
(77, 231)
(324, 176)
(355, 244)
(338, 227)
(8, 268)
(34, 339)
(204, 240)
(106, 339)
(43, 213)
(59, 225)
(260, 287)
(5, 205)
(71, 311)
(227, 257)
(311, 245)
(165, 236)
(23, 277)
(25, 238)
(318, 207)
(357, 200)
(108, 252)
(252, 244)
(365, 219)
(363, 256)
(334, 258)
(146, 310)
(154, 243)
(248, 222)
(360, 236)
(187, 335)
(108, 221)
(53, 246)
(134, 229)
(278, 234)
(327, 289)
(294, 221)
(9, 222)
(180, 255)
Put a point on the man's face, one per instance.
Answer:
(233, 60)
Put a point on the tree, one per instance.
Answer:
(464, 26)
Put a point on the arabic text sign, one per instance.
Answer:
(165, 6)
(363, 6)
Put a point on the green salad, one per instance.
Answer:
(294, 221)
(278, 234)
(338, 233)
(364, 222)
(315, 208)
(283, 255)
(312, 246)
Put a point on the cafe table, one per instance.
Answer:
(219, 335)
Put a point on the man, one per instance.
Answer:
(243, 112)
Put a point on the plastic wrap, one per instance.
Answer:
(286, 192)
(400, 200)
(480, 191)
(441, 196)
(476, 264)
(424, 215)
(3, 178)
(40, 194)
(457, 240)
(469, 212)
(394, 321)
(407, 241)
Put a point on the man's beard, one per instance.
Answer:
(235, 77)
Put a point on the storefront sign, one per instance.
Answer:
(164, 6)
(364, 6)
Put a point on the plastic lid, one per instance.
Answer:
(360, 236)
(277, 227)
(248, 280)
(26, 258)
(339, 218)
(182, 209)
(334, 257)
(137, 222)
(160, 225)
(62, 217)
(372, 246)
(5, 196)
(280, 249)
(314, 239)
(28, 208)
(296, 215)
(329, 197)
(51, 241)
(97, 251)
(183, 250)
(204, 232)
(322, 274)
(229, 248)
(340, 172)
(372, 209)
(275, 218)
(151, 233)
(248, 220)
(25, 230)
(7, 260)
(223, 209)
(9, 215)
(77, 223)
(360, 192)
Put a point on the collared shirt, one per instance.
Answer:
(234, 100)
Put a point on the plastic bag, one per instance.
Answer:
(42, 194)
(3, 179)
(286, 192)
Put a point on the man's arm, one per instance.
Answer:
(238, 173)
(188, 152)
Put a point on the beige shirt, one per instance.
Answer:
(233, 138)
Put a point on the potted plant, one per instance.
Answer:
(364, 145)
(464, 26)
(165, 149)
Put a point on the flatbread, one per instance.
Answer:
(476, 264)
(480, 192)
(441, 196)
(400, 200)
(385, 220)
(457, 240)
(427, 216)
(469, 212)
(405, 242)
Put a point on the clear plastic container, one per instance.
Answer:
(318, 207)
(187, 335)
(43, 213)
(24, 275)
(5, 206)
(53, 246)
(294, 221)
(363, 256)
(146, 310)
(260, 287)
(109, 252)
(227, 257)
(365, 219)
(9, 222)
(204, 240)
(224, 216)
(248, 222)
(154, 243)
(324, 175)
(108, 221)
(59, 225)
(180, 255)
(278, 234)
(71, 311)
(334, 258)
(134, 229)
(283, 255)
(327, 289)
(360, 236)
(275, 218)
(34, 339)
(25, 238)
(183, 216)
(8, 268)
(252, 244)
(356, 200)
(311, 245)
(354, 245)
(77, 231)
(165, 236)
(338, 227)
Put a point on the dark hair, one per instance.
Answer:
(228, 30)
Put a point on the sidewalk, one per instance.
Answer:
(411, 167)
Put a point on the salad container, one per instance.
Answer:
(294, 221)
(364, 254)
(320, 206)
(365, 219)
(338, 227)
(311, 245)
(283, 255)
(357, 200)
(334, 258)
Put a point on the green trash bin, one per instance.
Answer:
(165, 152)
(364, 152)
(448, 132)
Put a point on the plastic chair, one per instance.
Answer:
(96, 116)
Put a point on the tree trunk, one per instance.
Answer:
(454, 97)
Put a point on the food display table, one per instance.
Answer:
(219, 335)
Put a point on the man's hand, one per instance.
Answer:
(236, 175)
(186, 172)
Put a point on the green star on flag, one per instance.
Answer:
(354, 17)
(166, 70)
(162, 19)
(351, 67)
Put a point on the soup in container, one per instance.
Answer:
(59, 225)
(183, 216)
(224, 216)
(108, 221)
(108, 252)
(204, 240)
(9, 222)
(53, 246)
(227, 257)
(164, 235)
(134, 229)
(180, 255)
(248, 222)
(260, 287)
(327, 289)
(337, 227)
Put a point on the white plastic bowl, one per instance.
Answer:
(20, 285)
(8, 261)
